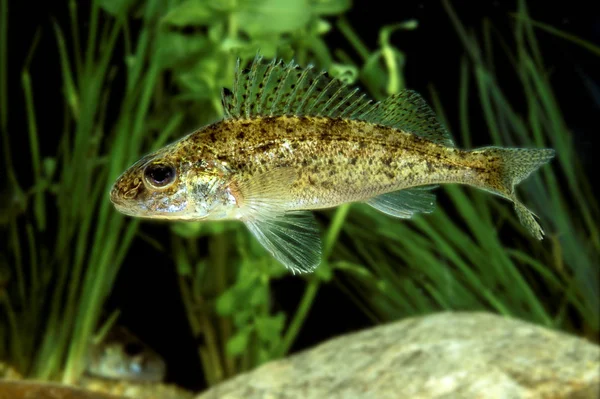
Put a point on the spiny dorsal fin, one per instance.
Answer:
(277, 88)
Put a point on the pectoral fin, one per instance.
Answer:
(292, 238)
(266, 194)
(405, 203)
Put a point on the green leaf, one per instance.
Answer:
(258, 295)
(187, 229)
(346, 73)
(203, 229)
(268, 17)
(175, 48)
(195, 13)
(116, 7)
(242, 317)
(13, 202)
(49, 167)
(269, 328)
(330, 7)
(321, 27)
(226, 303)
(324, 272)
(238, 343)
(182, 261)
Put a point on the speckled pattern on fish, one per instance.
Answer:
(294, 140)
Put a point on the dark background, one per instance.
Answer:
(146, 291)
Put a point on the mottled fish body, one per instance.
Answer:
(293, 140)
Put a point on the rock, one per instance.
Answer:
(135, 390)
(8, 372)
(446, 355)
(13, 386)
(46, 390)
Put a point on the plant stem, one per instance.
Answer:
(292, 332)
(313, 285)
(353, 38)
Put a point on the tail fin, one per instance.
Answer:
(516, 164)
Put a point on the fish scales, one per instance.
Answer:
(293, 140)
(337, 160)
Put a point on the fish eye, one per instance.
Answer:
(159, 175)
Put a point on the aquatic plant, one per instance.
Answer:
(466, 256)
(65, 242)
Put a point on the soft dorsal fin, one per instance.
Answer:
(277, 88)
(408, 111)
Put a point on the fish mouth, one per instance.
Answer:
(117, 202)
(114, 195)
(121, 206)
(140, 211)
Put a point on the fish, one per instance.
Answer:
(293, 140)
(120, 355)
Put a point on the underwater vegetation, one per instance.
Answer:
(137, 75)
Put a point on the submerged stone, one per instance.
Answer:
(13, 386)
(445, 355)
(45, 390)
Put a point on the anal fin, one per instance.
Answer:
(405, 203)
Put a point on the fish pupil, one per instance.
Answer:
(160, 175)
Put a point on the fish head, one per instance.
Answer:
(176, 183)
(152, 187)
